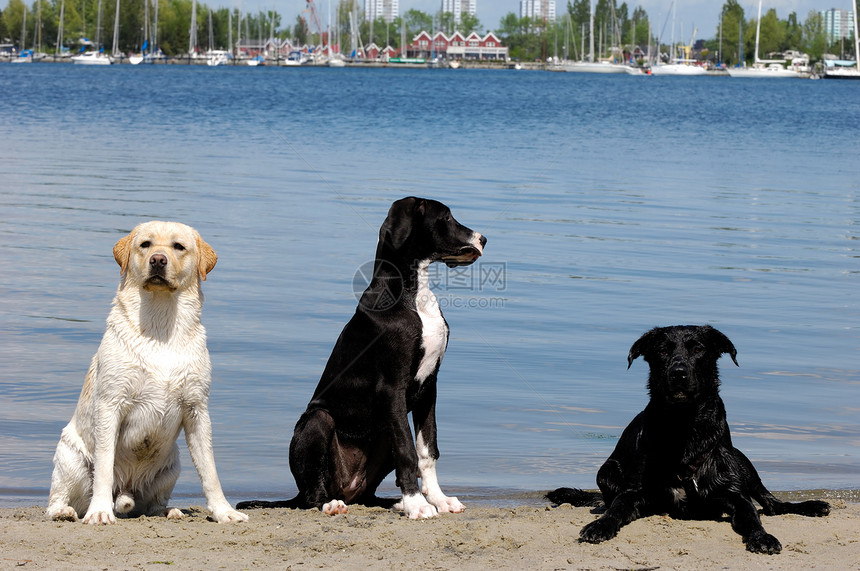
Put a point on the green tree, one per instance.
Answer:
(732, 28)
(416, 21)
(772, 35)
(469, 23)
(814, 36)
(300, 31)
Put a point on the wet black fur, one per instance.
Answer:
(355, 430)
(676, 457)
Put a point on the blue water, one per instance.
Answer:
(611, 204)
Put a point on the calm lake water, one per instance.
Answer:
(611, 204)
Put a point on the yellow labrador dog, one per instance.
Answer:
(149, 380)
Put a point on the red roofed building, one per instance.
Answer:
(456, 46)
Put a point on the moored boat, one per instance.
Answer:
(92, 58)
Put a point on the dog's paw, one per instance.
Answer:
(763, 542)
(63, 513)
(417, 507)
(173, 513)
(599, 530)
(447, 504)
(99, 517)
(334, 507)
(124, 503)
(229, 515)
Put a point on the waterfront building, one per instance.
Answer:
(838, 24)
(388, 10)
(455, 46)
(460, 7)
(543, 10)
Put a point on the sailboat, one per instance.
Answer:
(679, 66)
(591, 66)
(93, 57)
(844, 69)
(760, 67)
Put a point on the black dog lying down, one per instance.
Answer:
(355, 430)
(676, 457)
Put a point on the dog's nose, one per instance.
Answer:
(483, 240)
(677, 371)
(158, 261)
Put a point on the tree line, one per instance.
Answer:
(617, 29)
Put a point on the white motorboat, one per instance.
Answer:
(92, 58)
(678, 68)
(594, 67)
(217, 57)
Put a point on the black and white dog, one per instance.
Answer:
(676, 456)
(355, 430)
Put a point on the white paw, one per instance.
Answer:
(99, 517)
(334, 507)
(447, 504)
(173, 513)
(228, 515)
(64, 513)
(417, 507)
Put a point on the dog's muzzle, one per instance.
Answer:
(157, 271)
(467, 254)
(680, 382)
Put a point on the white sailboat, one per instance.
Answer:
(591, 66)
(760, 67)
(679, 66)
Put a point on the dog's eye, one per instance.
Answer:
(179, 247)
(145, 244)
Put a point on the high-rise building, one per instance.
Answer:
(538, 9)
(460, 7)
(388, 10)
(838, 24)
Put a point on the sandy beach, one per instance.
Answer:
(523, 537)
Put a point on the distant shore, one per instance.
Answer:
(530, 536)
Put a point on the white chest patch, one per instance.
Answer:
(434, 331)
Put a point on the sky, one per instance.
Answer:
(703, 14)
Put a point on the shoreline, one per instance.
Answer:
(532, 536)
(489, 497)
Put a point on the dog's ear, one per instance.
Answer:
(641, 347)
(206, 258)
(721, 343)
(122, 253)
(400, 220)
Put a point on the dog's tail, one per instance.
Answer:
(575, 497)
(254, 504)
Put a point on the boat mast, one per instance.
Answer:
(115, 47)
(192, 31)
(856, 39)
(757, 33)
(60, 29)
(591, 32)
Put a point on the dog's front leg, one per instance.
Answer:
(413, 504)
(106, 429)
(424, 418)
(198, 436)
(626, 507)
(747, 523)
